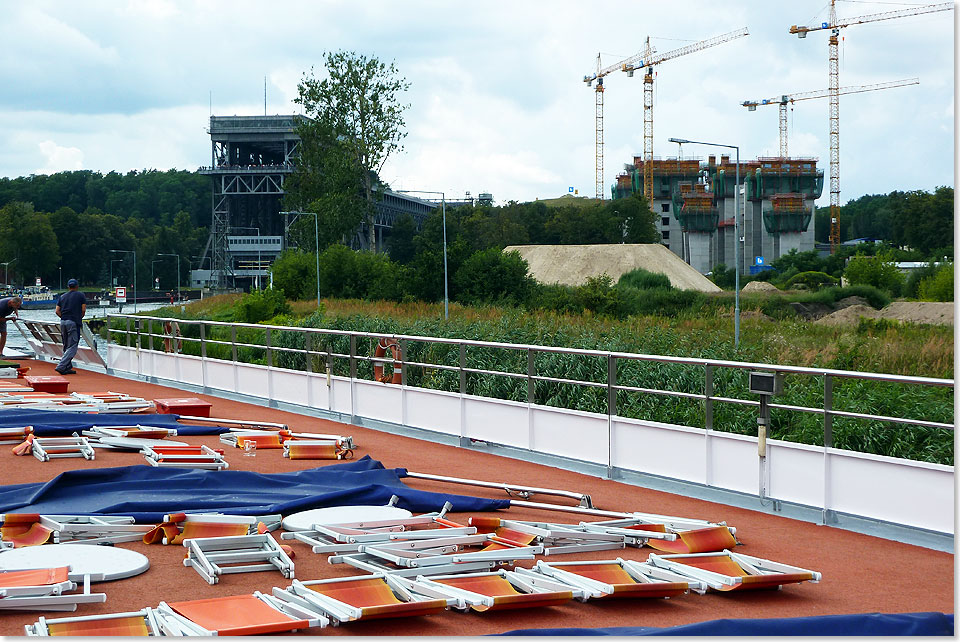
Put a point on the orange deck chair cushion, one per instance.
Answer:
(194, 530)
(624, 585)
(36, 577)
(237, 615)
(263, 442)
(311, 451)
(725, 565)
(504, 595)
(702, 540)
(24, 529)
(375, 598)
(130, 625)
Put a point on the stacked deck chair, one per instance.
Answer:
(728, 571)
(255, 614)
(615, 579)
(133, 624)
(363, 597)
(45, 589)
(28, 529)
(669, 534)
(556, 539)
(177, 527)
(491, 591)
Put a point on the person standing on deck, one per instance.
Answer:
(71, 306)
(9, 308)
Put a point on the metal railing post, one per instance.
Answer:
(353, 356)
(463, 372)
(269, 351)
(203, 340)
(150, 334)
(708, 397)
(128, 331)
(828, 516)
(307, 349)
(611, 410)
(233, 342)
(403, 353)
(531, 373)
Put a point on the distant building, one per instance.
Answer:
(694, 202)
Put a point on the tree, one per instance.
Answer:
(875, 271)
(400, 243)
(358, 105)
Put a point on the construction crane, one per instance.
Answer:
(834, 89)
(785, 99)
(646, 59)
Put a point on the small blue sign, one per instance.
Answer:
(759, 260)
(570, 189)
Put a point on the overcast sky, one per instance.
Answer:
(497, 99)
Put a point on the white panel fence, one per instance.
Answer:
(900, 491)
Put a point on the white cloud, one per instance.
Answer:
(59, 159)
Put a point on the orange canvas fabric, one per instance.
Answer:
(608, 573)
(311, 451)
(236, 615)
(196, 530)
(36, 577)
(24, 529)
(717, 563)
(359, 593)
(704, 540)
(130, 625)
(263, 442)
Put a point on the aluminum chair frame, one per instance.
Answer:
(50, 597)
(207, 458)
(640, 572)
(40, 628)
(172, 623)
(47, 448)
(718, 581)
(207, 554)
(467, 600)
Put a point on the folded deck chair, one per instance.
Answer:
(556, 539)
(47, 448)
(212, 557)
(438, 556)
(45, 589)
(314, 449)
(138, 431)
(363, 597)
(161, 456)
(200, 525)
(729, 571)
(30, 529)
(15, 435)
(615, 579)
(135, 623)
(669, 534)
(348, 536)
(255, 614)
(490, 591)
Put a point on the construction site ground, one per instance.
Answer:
(861, 574)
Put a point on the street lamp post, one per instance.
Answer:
(316, 237)
(112, 261)
(179, 298)
(736, 233)
(60, 269)
(134, 252)
(6, 272)
(443, 209)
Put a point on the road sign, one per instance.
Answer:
(38, 281)
(121, 295)
(570, 189)
(760, 260)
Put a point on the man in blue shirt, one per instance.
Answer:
(9, 308)
(71, 306)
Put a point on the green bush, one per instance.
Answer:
(491, 276)
(260, 306)
(873, 270)
(644, 280)
(295, 274)
(658, 302)
(723, 276)
(813, 280)
(938, 287)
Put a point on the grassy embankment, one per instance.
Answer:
(873, 346)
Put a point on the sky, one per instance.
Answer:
(497, 98)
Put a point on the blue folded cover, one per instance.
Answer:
(872, 624)
(148, 493)
(50, 423)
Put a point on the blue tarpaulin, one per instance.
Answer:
(872, 624)
(148, 493)
(49, 423)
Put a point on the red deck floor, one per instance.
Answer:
(861, 574)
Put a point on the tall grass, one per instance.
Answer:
(884, 347)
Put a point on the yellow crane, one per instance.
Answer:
(834, 89)
(785, 99)
(646, 59)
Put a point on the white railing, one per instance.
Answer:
(877, 487)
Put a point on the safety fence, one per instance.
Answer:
(615, 409)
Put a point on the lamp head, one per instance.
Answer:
(679, 140)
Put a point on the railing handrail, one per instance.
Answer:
(636, 356)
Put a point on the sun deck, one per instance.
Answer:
(861, 574)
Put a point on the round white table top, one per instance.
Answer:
(305, 520)
(115, 563)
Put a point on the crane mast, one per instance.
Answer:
(834, 26)
(646, 59)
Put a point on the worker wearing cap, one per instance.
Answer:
(71, 306)
(9, 309)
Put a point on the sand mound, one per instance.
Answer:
(574, 264)
(847, 315)
(762, 287)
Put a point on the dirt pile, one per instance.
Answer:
(761, 287)
(848, 315)
(908, 311)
